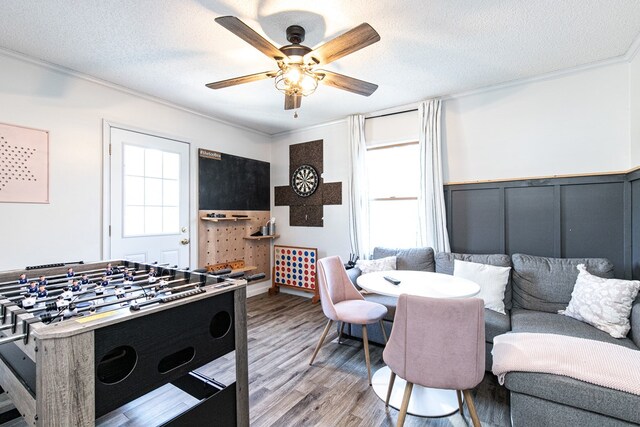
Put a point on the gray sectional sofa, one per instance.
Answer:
(537, 289)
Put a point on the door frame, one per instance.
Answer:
(107, 125)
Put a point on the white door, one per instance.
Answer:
(149, 198)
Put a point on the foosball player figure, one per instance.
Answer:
(62, 302)
(23, 279)
(127, 279)
(67, 294)
(152, 275)
(70, 272)
(42, 291)
(75, 286)
(29, 300)
(85, 279)
(99, 289)
(109, 270)
(33, 288)
(128, 276)
(43, 281)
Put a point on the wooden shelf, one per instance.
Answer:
(206, 218)
(244, 269)
(275, 236)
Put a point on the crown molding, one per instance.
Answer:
(308, 128)
(64, 70)
(633, 49)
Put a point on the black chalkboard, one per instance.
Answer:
(233, 183)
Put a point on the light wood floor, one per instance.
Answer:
(286, 391)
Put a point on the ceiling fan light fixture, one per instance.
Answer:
(295, 79)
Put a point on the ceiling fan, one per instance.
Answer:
(297, 75)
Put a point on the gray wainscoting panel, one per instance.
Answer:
(477, 221)
(529, 220)
(573, 217)
(635, 225)
(592, 218)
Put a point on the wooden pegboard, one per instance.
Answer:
(224, 241)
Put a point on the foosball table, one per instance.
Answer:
(79, 341)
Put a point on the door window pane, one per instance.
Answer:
(153, 163)
(170, 165)
(151, 193)
(133, 190)
(133, 160)
(133, 224)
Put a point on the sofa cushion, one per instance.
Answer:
(495, 324)
(552, 323)
(445, 260)
(353, 274)
(545, 284)
(387, 301)
(575, 393)
(635, 322)
(418, 259)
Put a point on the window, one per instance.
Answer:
(151, 191)
(394, 184)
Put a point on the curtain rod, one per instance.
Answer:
(391, 114)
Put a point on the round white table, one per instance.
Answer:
(424, 402)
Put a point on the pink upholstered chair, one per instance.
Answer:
(342, 302)
(438, 343)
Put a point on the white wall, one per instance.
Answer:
(333, 238)
(72, 109)
(634, 80)
(572, 124)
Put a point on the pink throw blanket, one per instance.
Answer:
(595, 362)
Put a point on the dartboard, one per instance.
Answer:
(304, 180)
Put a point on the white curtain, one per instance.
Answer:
(431, 211)
(358, 194)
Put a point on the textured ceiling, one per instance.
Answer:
(170, 48)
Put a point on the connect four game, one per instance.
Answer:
(295, 267)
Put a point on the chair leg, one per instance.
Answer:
(472, 408)
(341, 331)
(405, 404)
(459, 394)
(392, 379)
(384, 333)
(365, 341)
(322, 337)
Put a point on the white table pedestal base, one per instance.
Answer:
(424, 402)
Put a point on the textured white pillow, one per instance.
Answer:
(381, 264)
(603, 303)
(492, 280)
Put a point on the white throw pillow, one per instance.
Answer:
(492, 280)
(381, 264)
(603, 303)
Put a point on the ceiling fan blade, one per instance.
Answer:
(247, 34)
(240, 80)
(292, 102)
(350, 84)
(355, 39)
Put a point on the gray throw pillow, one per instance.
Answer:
(417, 259)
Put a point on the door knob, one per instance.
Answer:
(184, 241)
